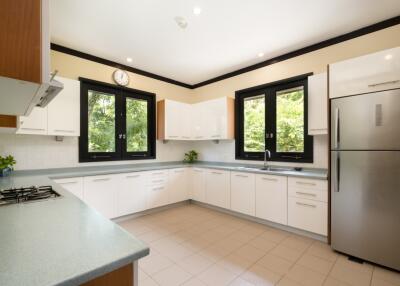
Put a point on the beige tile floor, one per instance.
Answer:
(195, 246)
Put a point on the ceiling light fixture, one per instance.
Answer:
(129, 60)
(260, 55)
(197, 10)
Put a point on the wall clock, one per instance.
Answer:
(121, 77)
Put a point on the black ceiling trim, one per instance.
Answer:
(99, 60)
(333, 41)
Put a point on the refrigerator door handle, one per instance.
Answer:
(336, 179)
(337, 128)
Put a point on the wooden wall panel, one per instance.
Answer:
(20, 44)
(8, 121)
(161, 120)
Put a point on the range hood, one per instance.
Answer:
(20, 97)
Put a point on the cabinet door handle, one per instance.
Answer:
(197, 170)
(316, 129)
(383, 83)
(157, 189)
(160, 173)
(269, 179)
(133, 176)
(198, 137)
(216, 173)
(306, 205)
(157, 181)
(306, 183)
(306, 194)
(172, 136)
(27, 128)
(215, 136)
(178, 171)
(241, 176)
(101, 179)
(67, 131)
(69, 183)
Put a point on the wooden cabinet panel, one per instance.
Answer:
(243, 193)
(271, 198)
(123, 276)
(21, 42)
(8, 121)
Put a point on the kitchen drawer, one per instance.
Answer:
(308, 215)
(308, 193)
(308, 184)
(158, 174)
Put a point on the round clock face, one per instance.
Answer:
(121, 77)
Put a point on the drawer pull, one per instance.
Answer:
(306, 205)
(157, 189)
(66, 131)
(306, 194)
(383, 83)
(39, 129)
(161, 173)
(197, 170)
(68, 183)
(157, 181)
(178, 171)
(270, 179)
(102, 179)
(306, 183)
(216, 173)
(241, 176)
(133, 176)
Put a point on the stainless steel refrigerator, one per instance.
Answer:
(365, 176)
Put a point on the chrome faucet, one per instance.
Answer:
(265, 158)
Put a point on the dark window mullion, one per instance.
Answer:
(270, 120)
(120, 123)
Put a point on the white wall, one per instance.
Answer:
(42, 152)
(225, 152)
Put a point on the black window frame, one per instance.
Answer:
(121, 93)
(269, 90)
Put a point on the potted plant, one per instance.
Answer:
(191, 156)
(6, 165)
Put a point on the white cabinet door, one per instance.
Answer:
(198, 189)
(158, 188)
(187, 121)
(308, 215)
(131, 194)
(177, 120)
(218, 188)
(99, 192)
(178, 185)
(318, 104)
(271, 198)
(35, 123)
(73, 185)
(373, 72)
(199, 126)
(243, 193)
(64, 110)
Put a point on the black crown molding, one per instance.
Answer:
(333, 41)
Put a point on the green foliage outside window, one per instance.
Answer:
(254, 124)
(101, 118)
(136, 125)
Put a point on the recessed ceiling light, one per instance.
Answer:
(388, 57)
(129, 60)
(197, 10)
(260, 55)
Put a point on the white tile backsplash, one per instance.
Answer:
(42, 152)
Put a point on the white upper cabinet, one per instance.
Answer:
(369, 73)
(218, 188)
(271, 198)
(208, 120)
(318, 104)
(243, 193)
(64, 111)
(35, 123)
(60, 118)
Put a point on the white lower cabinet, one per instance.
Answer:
(131, 196)
(271, 198)
(198, 185)
(157, 189)
(308, 215)
(218, 188)
(307, 205)
(99, 193)
(178, 187)
(243, 193)
(73, 185)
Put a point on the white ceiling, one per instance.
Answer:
(226, 36)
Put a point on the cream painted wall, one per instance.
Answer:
(74, 67)
(315, 62)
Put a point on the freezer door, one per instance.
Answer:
(365, 197)
(366, 122)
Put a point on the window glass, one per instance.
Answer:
(136, 125)
(290, 120)
(254, 124)
(101, 122)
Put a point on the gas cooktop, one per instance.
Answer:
(25, 195)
